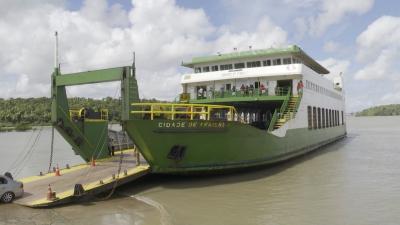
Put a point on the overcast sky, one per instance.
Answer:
(360, 38)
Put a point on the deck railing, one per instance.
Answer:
(174, 111)
(81, 114)
(279, 91)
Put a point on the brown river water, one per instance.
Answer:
(353, 181)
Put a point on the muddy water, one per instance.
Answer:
(353, 181)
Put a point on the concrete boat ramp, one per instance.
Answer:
(81, 180)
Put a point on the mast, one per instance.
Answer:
(56, 62)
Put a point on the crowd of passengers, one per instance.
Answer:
(245, 90)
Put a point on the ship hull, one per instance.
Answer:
(212, 147)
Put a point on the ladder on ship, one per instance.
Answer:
(289, 112)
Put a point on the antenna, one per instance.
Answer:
(134, 59)
(56, 65)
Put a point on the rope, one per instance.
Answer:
(22, 152)
(121, 156)
(29, 153)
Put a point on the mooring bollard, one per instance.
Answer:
(113, 176)
(67, 166)
(125, 172)
(40, 173)
(101, 182)
(78, 190)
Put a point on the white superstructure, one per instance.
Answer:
(258, 82)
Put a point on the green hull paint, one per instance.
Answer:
(235, 146)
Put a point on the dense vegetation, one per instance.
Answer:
(383, 110)
(21, 112)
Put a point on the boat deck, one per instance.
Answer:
(90, 177)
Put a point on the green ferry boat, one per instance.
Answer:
(237, 110)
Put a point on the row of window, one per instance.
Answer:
(251, 64)
(323, 118)
(314, 87)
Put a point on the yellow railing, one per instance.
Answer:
(81, 114)
(174, 111)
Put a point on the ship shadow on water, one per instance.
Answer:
(229, 177)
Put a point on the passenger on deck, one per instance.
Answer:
(246, 90)
(211, 92)
(137, 155)
(300, 87)
(242, 89)
(222, 90)
(200, 93)
(234, 91)
(251, 89)
(262, 89)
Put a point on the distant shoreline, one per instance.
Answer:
(382, 110)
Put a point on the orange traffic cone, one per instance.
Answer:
(49, 193)
(58, 171)
(93, 163)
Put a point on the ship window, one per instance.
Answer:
(206, 69)
(287, 61)
(225, 67)
(256, 84)
(197, 70)
(337, 118)
(214, 68)
(309, 116)
(323, 117)
(342, 118)
(239, 65)
(314, 118)
(267, 62)
(330, 118)
(253, 64)
(334, 117)
(319, 118)
(327, 118)
(276, 62)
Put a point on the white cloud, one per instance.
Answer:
(101, 35)
(329, 12)
(378, 68)
(333, 11)
(379, 49)
(266, 35)
(331, 46)
(335, 67)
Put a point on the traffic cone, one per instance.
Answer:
(58, 171)
(49, 193)
(93, 163)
